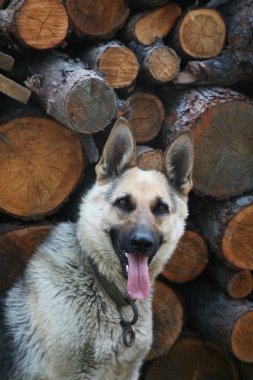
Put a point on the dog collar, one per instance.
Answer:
(116, 296)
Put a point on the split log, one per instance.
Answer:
(34, 23)
(192, 358)
(227, 226)
(145, 27)
(168, 319)
(6, 62)
(116, 61)
(217, 317)
(147, 115)
(96, 18)
(221, 123)
(236, 283)
(36, 156)
(76, 97)
(200, 33)
(189, 259)
(159, 64)
(235, 63)
(14, 90)
(17, 244)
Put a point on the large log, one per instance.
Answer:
(34, 23)
(192, 358)
(17, 244)
(76, 97)
(189, 259)
(37, 155)
(116, 61)
(219, 318)
(221, 123)
(147, 115)
(146, 26)
(159, 64)
(96, 18)
(227, 226)
(234, 64)
(168, 319)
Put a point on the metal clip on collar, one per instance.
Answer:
(128, 332)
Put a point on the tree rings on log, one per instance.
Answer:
(201, 33)
(39, 167)
(97, 18)
(148, 115)
(168, 319)
(41, 24)
(192, 358)
(188, 260)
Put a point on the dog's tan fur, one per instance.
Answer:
(63, 324)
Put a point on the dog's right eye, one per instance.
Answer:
(124, 204)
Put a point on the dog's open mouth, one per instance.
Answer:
(135, 270)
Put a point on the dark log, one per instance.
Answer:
(147, 115)
(192, 358)
(35, 24)
(17, 244)
(159, 64)
(235, 62)
(217, 317)
(221, 123)
(236, 283)
(96, 18)
(116, 61)
(227, 226)
(168, 319)
(145, 27)
(188, 260)
(76, 97)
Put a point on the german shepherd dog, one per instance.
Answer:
(82, 308)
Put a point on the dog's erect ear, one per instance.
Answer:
(178, 160)
(119, 151)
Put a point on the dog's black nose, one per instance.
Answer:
(142, 241)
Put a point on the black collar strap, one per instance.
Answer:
(116, 296)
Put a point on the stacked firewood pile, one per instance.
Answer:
(67, 71)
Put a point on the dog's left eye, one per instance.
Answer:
(161, 208)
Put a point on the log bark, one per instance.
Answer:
(96, 18)
(17, 244)
(117, 62)
(168, 319)
(146, 26)
(189, 259)
(35, 24)
(200, 33)
(76, 97)
(192, 358)
(226, 321)
(216, 116)
(147, 115)
(36, 156)
(234, 64)
(235, 283)
(227, 227)
(159, 64)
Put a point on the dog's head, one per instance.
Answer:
(131, 220)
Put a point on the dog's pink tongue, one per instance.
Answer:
(138, 284)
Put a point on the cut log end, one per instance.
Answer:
(151, 160)
(97, 18)
(148, 115)
(41, 165)
(157, 23)
(240, 285)
(90, 105)
(202, 33)
(237, 241)
(120, 66)
(164, 64)
(224, 151)
(242, 338)
(189, 259)
(42, 24)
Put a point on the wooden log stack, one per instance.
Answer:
(68, 69)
